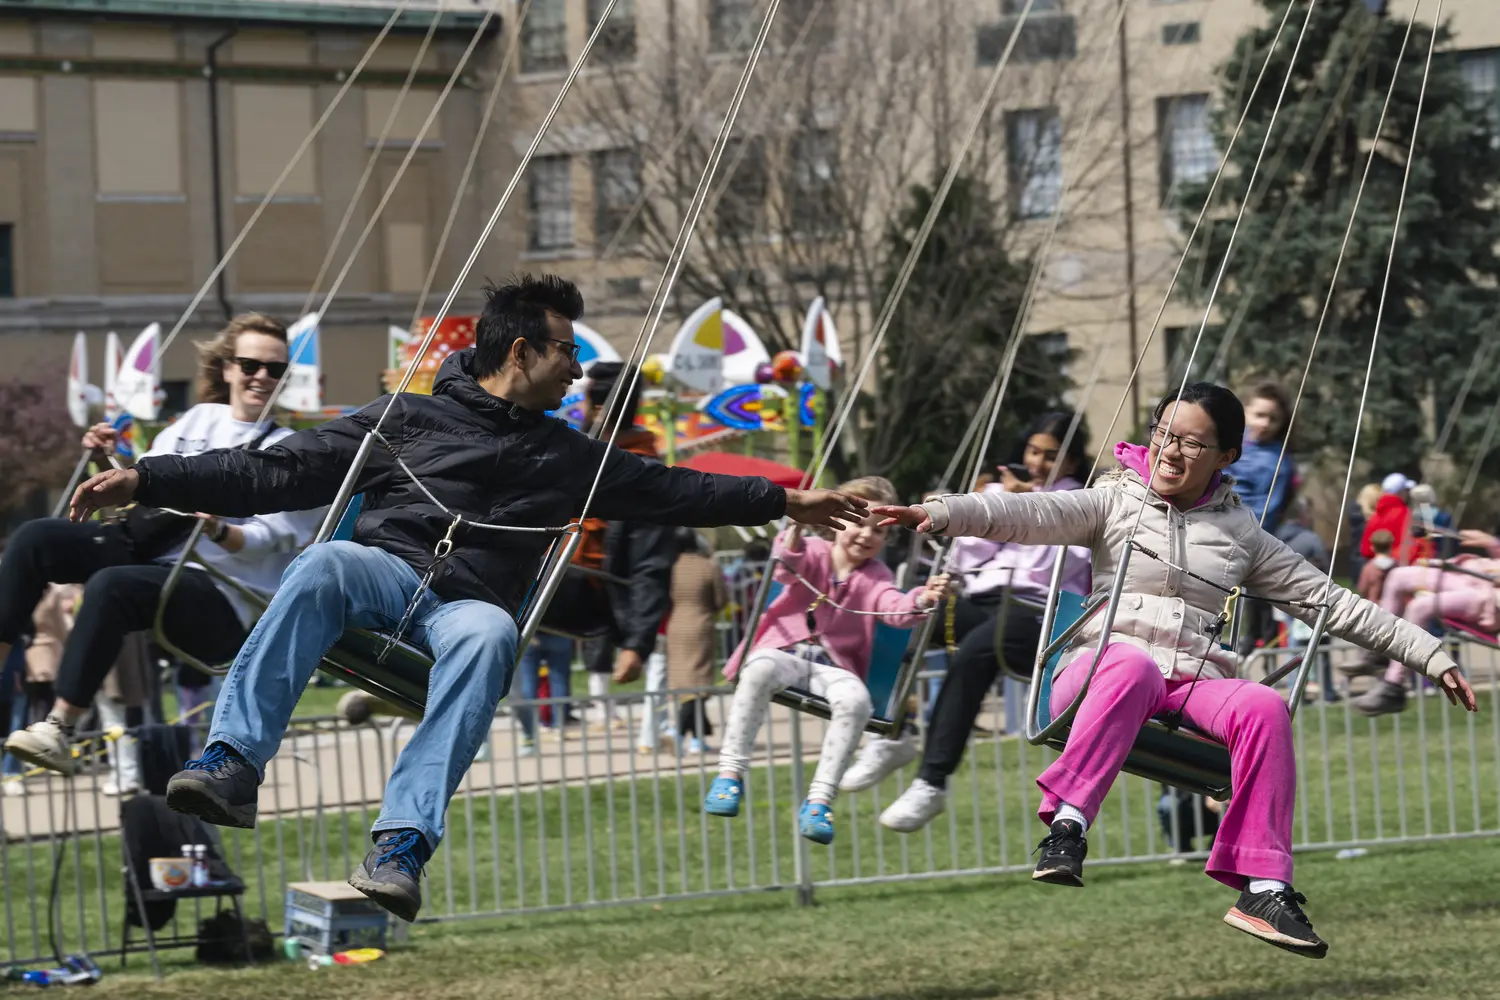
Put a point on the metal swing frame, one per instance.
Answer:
(1177, 756)
(898, 706)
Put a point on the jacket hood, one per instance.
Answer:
(455, 379)
(1389, 502)
(1135, 458)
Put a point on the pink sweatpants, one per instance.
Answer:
(1443, 595)
(1255, 833)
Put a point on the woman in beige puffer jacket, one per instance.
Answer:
(1163, 654)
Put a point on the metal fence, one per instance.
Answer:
(593, 820)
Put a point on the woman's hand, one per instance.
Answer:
(1472, 538)
(914, 517)
(1456, 687)
(101, 438)
(1012, 484)
(935, 591)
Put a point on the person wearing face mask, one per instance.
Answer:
(123, 577)
(449, 474)
(816, 635)
(1163, 656)
(986, 569)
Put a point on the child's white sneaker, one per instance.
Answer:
(878, 760)
(919, 805)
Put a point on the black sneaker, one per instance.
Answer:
(220, 788)
(391, 874)
(1383, 698)
(1276, 917)
(1063, 851)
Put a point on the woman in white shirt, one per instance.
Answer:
(124, 570)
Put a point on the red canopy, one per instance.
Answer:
(744, 465)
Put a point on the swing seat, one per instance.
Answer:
(1181, 757)
(1466, 632)
(886, 677)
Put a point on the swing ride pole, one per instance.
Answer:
(346, 489)
(533, 620)
(1037, 736)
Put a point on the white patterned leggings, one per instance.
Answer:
(767, 671)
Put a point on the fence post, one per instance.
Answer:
(801, 858)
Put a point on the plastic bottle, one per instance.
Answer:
(200, 866)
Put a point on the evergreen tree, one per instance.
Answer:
(948, 339)
(1442, 300)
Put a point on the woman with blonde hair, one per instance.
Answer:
(123, 568)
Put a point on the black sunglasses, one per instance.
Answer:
(249, 366)
(572, 347)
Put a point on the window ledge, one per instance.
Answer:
(542, 75)
(557, 253)
(18, 137)
(280, 199)
(141, 199)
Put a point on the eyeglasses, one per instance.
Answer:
(571, 346)
(249, 366)
(1190, 448)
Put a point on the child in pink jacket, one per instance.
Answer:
(821, 646)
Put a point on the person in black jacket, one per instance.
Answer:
(464, 467)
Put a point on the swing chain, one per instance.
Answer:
(440, 554)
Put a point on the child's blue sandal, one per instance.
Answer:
(724, 797)
(815, 822)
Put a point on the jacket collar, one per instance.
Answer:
(1132, 472)
(455, 379)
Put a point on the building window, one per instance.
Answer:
(812, 178)
(544, 37)
(7, 261)
(794, 15)
(617, 186)
(1181, 33)
(1048, 33)
(1187, 146)
(730, 25)
(176, 400)
(1034, 157)
(616, 42)
(740, 208)
(1481, 76)
(551, 200)
(269, 123)
(137, 139)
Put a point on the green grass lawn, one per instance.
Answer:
(1407, 922)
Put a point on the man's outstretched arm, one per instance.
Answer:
(300, 472)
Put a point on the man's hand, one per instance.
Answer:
(113, 488)
(826, 508)
(914, 517)
(101, 438)
(628, 664)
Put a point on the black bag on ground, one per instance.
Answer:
(221, 943)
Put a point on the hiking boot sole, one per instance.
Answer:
(193, 798)
(1258, 928)
(1057, 876)
(389, 896)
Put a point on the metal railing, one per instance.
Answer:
(593, 819)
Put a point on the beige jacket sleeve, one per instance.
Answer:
(1277, 570)
(1063, 517)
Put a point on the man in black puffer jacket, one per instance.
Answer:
(479, 453)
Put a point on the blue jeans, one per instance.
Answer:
(335, 585)
(557, 652)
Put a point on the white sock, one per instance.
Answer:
(1265, 885)
(1073, 813)
(598, 685)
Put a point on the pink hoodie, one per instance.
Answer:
(846, 637)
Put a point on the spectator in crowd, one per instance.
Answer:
(1359, 514)
(698, 595)
(1298, 534)
(1393, 514)
(1431, 524)
(124, 567)
(1263, 477)
(556, 653)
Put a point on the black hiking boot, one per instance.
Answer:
(220, 788)
(391, 874)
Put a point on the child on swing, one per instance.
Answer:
(816, 635)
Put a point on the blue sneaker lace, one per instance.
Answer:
(214, 757)
(402, 850)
